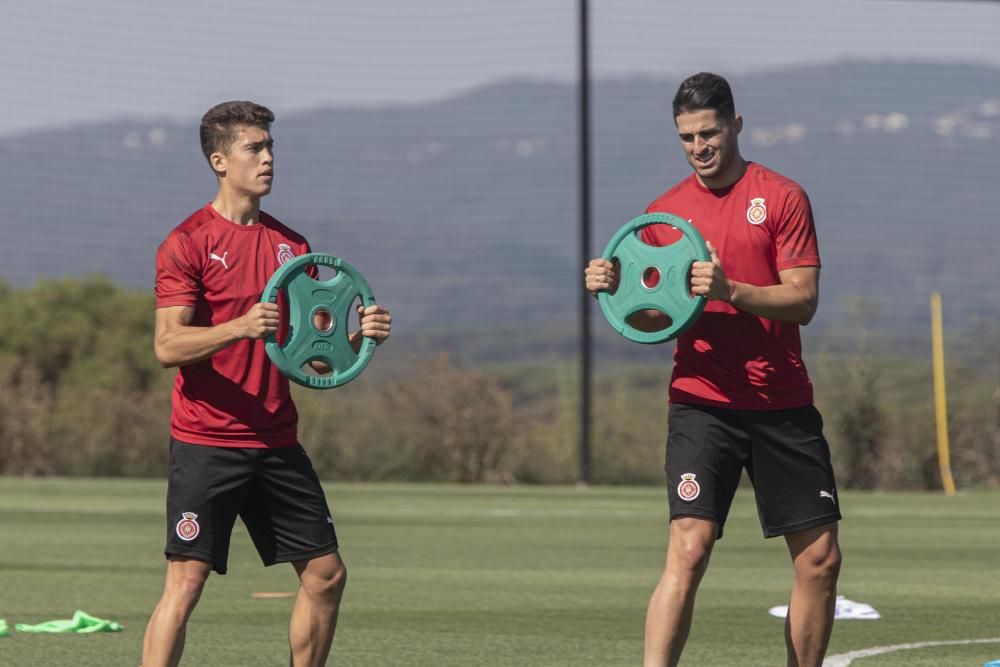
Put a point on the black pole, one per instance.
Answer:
(584, 476)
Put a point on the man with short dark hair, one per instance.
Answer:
(234, 447)
(740, 397)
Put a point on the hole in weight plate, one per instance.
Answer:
(650, 277)
(323, 320)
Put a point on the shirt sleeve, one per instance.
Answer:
(795, 239)
(178, 277)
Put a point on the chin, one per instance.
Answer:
(711, 172)
(704, 171)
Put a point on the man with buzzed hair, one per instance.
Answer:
(740, 397)
(234, 448)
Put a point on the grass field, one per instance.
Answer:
(482, 575)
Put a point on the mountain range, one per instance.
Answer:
(463, 212)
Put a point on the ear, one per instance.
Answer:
(738, 123)
(218, 163)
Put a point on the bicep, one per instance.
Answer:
(172, 317)
(806, 278)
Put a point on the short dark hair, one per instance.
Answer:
(220, 123)
(705, 90)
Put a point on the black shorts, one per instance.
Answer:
(275, 491)
(783, 451)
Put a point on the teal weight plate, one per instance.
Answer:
(667, 289)
(305, 342)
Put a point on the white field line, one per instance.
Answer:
(845, 659)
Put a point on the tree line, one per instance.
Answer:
(82, 394)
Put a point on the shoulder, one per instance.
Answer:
(184, 234)
(777, 184)
(785, 200)
(284, 230)
(661, 203)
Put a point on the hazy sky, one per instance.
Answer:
(65, 61)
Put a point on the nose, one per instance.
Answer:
(699, 144)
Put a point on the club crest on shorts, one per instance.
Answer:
(285, 253)
(188, 528)
(689, 488)
(757, 213)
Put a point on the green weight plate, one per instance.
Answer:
(305, 342)
(638, 288)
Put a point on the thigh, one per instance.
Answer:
(706, 452)
(287, 514)
(206, 487)
(791, 471)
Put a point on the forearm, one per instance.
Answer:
(789, 302)
(185, 345)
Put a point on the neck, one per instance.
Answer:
(238, 208)
(733, 172)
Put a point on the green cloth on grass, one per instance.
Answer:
(81, 623)
(4, 632)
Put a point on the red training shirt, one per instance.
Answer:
(236, 397)
(760, 225)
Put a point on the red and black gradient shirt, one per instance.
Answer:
(760, 225)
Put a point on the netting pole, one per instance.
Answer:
(940, 395)
(583, 159)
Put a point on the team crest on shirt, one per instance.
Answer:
(757, 212)
(285, 253)
(689, 488)
(188, 528)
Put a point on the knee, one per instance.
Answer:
(820, 567)
(691, 557)
(326, 585)
(185, 586)
(338, 580)
(691, 542)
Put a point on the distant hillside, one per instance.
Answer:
(464, 210)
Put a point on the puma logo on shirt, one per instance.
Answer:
(222, 259)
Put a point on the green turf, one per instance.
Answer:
(472, 575)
